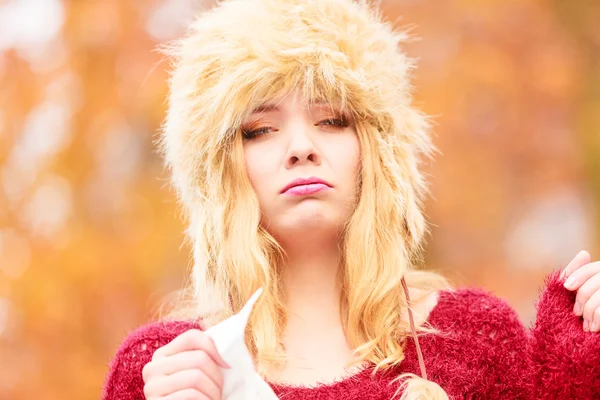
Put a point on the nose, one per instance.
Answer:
(301, 148)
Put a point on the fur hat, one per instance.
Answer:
(246, 51)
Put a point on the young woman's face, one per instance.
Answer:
(303, 162)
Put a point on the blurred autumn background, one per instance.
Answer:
(90, 238)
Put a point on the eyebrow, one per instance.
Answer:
(268, 107)
(265, 108)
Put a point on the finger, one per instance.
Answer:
(585, 292)
(580, 276)
(582, 258)
(595, 327)
(181, 380)
(195, 359)
(192, 339)
(186, 394)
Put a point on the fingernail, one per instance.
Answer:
(594, 326)
(570, 283)
(585, 326)
(577, 308)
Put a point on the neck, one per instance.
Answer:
(312, 287)
(314, 339)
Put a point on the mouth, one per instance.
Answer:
(303, 186)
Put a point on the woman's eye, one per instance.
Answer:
(256, 132)
(341, 122)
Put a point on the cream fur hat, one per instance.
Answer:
(243, 52)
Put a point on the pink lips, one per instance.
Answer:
(304, 186)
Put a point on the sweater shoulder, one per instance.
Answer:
(474, 308)
(124, 378)
(481, 321)
(483, 348)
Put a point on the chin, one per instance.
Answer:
(312, 223)
(311, 213)
(310, 218)
(306, 229)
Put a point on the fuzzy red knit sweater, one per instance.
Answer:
(485, 352)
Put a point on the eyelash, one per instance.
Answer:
(339, 122)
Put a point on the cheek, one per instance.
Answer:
(257, 168)
(348, 154)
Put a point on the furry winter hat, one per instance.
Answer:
(245, 52)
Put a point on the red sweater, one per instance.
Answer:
(485, 353)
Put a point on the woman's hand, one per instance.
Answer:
(189, 367)
(584, 277)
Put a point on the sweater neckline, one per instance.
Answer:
(358, 375)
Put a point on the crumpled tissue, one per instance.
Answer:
(241, 381)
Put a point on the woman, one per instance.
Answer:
(294, 148)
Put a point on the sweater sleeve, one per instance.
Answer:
(566, 359)
(124, 378)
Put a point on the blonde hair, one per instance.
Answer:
(242, 53)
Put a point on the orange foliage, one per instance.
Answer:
(90, 238)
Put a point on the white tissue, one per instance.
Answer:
(241, 382)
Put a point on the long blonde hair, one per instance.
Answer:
(242, 53)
